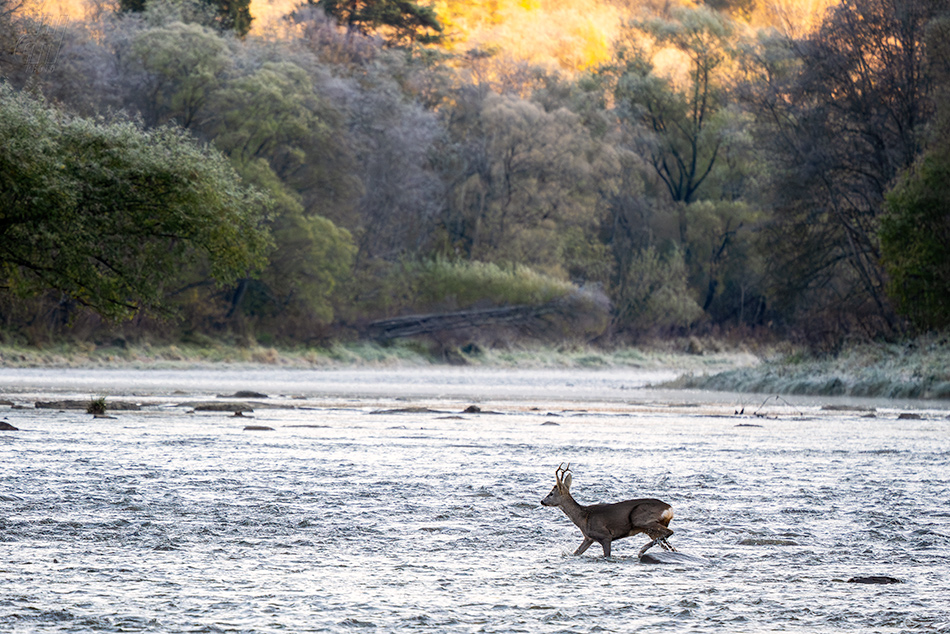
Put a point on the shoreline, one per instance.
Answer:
(915, 369)
(671, 355)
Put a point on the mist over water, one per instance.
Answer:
(350, 516)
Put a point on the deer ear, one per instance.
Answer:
(566, 481)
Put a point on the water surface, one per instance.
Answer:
(351, 516)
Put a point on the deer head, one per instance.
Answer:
(562, 488)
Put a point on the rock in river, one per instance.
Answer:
(664, 557)
(880, 579)
(244, 394)
(74, 404)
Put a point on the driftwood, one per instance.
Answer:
(412, 325)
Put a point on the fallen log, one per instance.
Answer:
(413, 325)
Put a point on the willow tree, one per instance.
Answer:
(524, 182)
(109, 213)
(284, 138)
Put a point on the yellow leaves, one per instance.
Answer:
(269, 16)
(571, 35)
(794, 18)
(57, 9)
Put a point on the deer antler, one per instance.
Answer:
(561, 471)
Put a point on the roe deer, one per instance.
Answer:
(603, 523)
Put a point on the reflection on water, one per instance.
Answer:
(348, 515)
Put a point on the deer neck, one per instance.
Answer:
(576, 512)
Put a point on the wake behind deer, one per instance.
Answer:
(604, 523)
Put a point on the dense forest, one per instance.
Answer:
(590, 170)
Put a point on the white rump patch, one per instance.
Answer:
(667, 515)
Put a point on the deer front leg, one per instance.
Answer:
(584, 546)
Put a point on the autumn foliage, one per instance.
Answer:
(740, 166)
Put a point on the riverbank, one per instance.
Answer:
(688, 356)
(916, 369)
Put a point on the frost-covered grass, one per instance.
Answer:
(913, 369)
(919, 368)
(673, 355)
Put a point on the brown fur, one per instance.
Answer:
(605, 523)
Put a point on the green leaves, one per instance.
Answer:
(109, 213)
(915, 241)
(532, 174)
(278, 133)
(657, 296)
(181, 66)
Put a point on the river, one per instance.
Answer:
(374, 502)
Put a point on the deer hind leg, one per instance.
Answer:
(659, 533)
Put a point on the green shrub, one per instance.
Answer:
(440, 286)
(657, 295)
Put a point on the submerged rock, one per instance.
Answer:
(5, 426)
(408, 410)
(879, 579)
(232, 406)
(258, 428)
(244, 394)
(663, 557)
(847, 408)
(475, 409)
(72, 404)
(767, 541)
(229, 406)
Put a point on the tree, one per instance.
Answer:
(393, 140)
(280, 136)
(109, 213)
(844, 112)
(915, 227)
(915, 241)
(685, 125)
(520, 179)
(175, 69)
(400, 22)
(276, 111)
(657, 298)
(687, 156)
(227, 15)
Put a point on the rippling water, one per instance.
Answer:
(349, 516)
